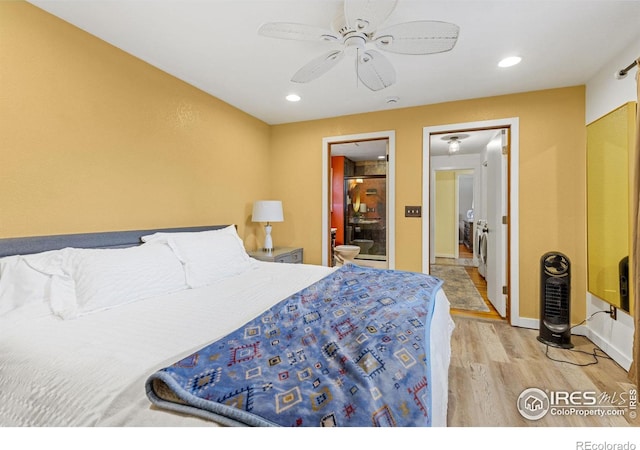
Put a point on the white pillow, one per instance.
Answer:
(105, 278)
(20, 284)
(208, 256)
(29, 279)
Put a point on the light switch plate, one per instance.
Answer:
(413, 211)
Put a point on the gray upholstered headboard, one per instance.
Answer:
(109, 239)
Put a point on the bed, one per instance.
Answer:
(95, 328)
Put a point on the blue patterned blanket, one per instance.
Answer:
(350, 350)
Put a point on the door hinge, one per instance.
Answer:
(505, 220)
(505, 290)
(505, 142)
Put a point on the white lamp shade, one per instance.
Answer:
(267, 211)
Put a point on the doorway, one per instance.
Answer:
(453, 201)
(494, 202)
(359, 197)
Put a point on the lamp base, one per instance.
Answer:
(268, 242)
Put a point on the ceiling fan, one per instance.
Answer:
(356, 29)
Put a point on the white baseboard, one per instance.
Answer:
(609, 349)
(581, 330)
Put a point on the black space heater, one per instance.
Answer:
(555, 300)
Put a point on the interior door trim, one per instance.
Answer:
(390, 135)
(513, 124)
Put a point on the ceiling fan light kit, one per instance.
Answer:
(357, 30)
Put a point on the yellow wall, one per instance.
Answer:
(446, 218)
(552, 178)
(94, 139)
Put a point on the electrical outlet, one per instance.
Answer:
(613, 312)
(413, 211)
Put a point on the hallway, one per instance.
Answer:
(466, 260)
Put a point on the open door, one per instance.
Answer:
(496, 164)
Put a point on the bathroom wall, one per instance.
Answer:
(370, 168)
(337, 197)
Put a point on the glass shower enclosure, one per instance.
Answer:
(365, 215)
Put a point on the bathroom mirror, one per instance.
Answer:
(610, 144)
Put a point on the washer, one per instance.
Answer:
(482, 233)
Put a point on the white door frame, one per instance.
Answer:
(513, 124)
(391, 189)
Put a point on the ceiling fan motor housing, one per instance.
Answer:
(354, 41)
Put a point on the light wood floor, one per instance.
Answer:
(493, 362)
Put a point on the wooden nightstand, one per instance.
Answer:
(279, 254)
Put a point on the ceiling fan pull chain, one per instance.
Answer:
(357, 67)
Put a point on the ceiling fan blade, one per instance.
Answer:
(418, 38)
(296, 31)
(375, 71)
(317, 67)
(366, 15)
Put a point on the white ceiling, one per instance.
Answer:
(214, 45)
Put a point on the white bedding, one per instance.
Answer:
(91, 371)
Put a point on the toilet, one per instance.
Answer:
(345, 254)
(364, 244)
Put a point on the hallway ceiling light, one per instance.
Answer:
(454, 141)
(454, 145)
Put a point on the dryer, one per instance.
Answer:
(482, 234)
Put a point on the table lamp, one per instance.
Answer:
(267, 211)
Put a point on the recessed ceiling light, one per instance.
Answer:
(293, 98)
(510, 61)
